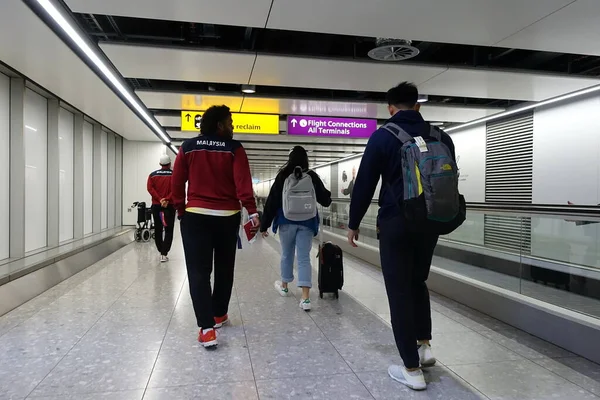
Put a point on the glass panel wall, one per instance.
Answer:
(4, 154)
(52, 145)
(36, 170)
(65, 148)
(88, 174)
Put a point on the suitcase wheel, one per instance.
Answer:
(321, 294)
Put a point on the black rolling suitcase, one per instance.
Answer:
(331, 269)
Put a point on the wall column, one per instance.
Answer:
(97, 180)
(17, 168)
(53, 174)
(78, 176)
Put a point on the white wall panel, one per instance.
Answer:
(470, 153)
(482, 22)
(226, 12)
(111, 170)
(4, 156)
(88, 173)
(325, 175)
(566, 167)
(139, 160)
(573, 29)
(566, 153)
(335, 74)
(180, 64)
(103, 180)
(503, 85)
(36, 170)
(65, 148)
(54, 66)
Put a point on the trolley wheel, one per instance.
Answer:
(337, 294)
(146, 235)
(321, 294)
(153, 235)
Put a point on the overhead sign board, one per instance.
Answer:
(330, 127)
(262, 124)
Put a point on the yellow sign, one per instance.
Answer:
(262, 124)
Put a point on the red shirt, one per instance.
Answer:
(217, 173)
(159, 184)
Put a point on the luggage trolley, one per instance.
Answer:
(145, 227)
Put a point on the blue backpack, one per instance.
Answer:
(431, 202)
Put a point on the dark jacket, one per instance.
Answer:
(381, 159)
(217, 173)
(273, 212)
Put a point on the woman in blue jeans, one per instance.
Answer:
(295, 236)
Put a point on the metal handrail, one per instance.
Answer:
(578, 212)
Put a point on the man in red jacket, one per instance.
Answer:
(216, 170)
(163, 212)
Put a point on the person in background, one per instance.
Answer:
(348, 191)
(296, 237)
(163, 212)
(405, 257)
(217, 172)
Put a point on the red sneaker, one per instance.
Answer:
(208, 337)
(220, 321)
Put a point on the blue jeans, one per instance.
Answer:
(296, 239)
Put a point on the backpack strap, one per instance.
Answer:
(435, 133)
(398, 132)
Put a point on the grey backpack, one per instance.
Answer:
(431, 200)
(299, 197)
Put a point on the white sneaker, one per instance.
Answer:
(305, 305)
(413, 379)
(426, 356)
(284, 292)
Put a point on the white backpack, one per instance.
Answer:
(299, 197)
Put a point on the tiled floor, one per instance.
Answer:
(124, 329)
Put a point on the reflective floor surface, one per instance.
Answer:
(125, 329)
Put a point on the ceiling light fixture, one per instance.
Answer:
(30, 128)
(248, 89)
(92, 55)
(423, 98)
(528, 107)
(172, 147)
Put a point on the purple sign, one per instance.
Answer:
(333, 127)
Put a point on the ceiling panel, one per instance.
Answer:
(207, 66)
(180, 64)
(52, 65)
(574, 29)
(179, 101)
(481, 22)
(504, 85)
(169, 121)
(335, 74)
(445, 113)
(247, 13)
(184, 101)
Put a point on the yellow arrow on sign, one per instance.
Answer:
(262, 124)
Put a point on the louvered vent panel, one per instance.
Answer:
(509, 160)
(509, 178)
(508, 233)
